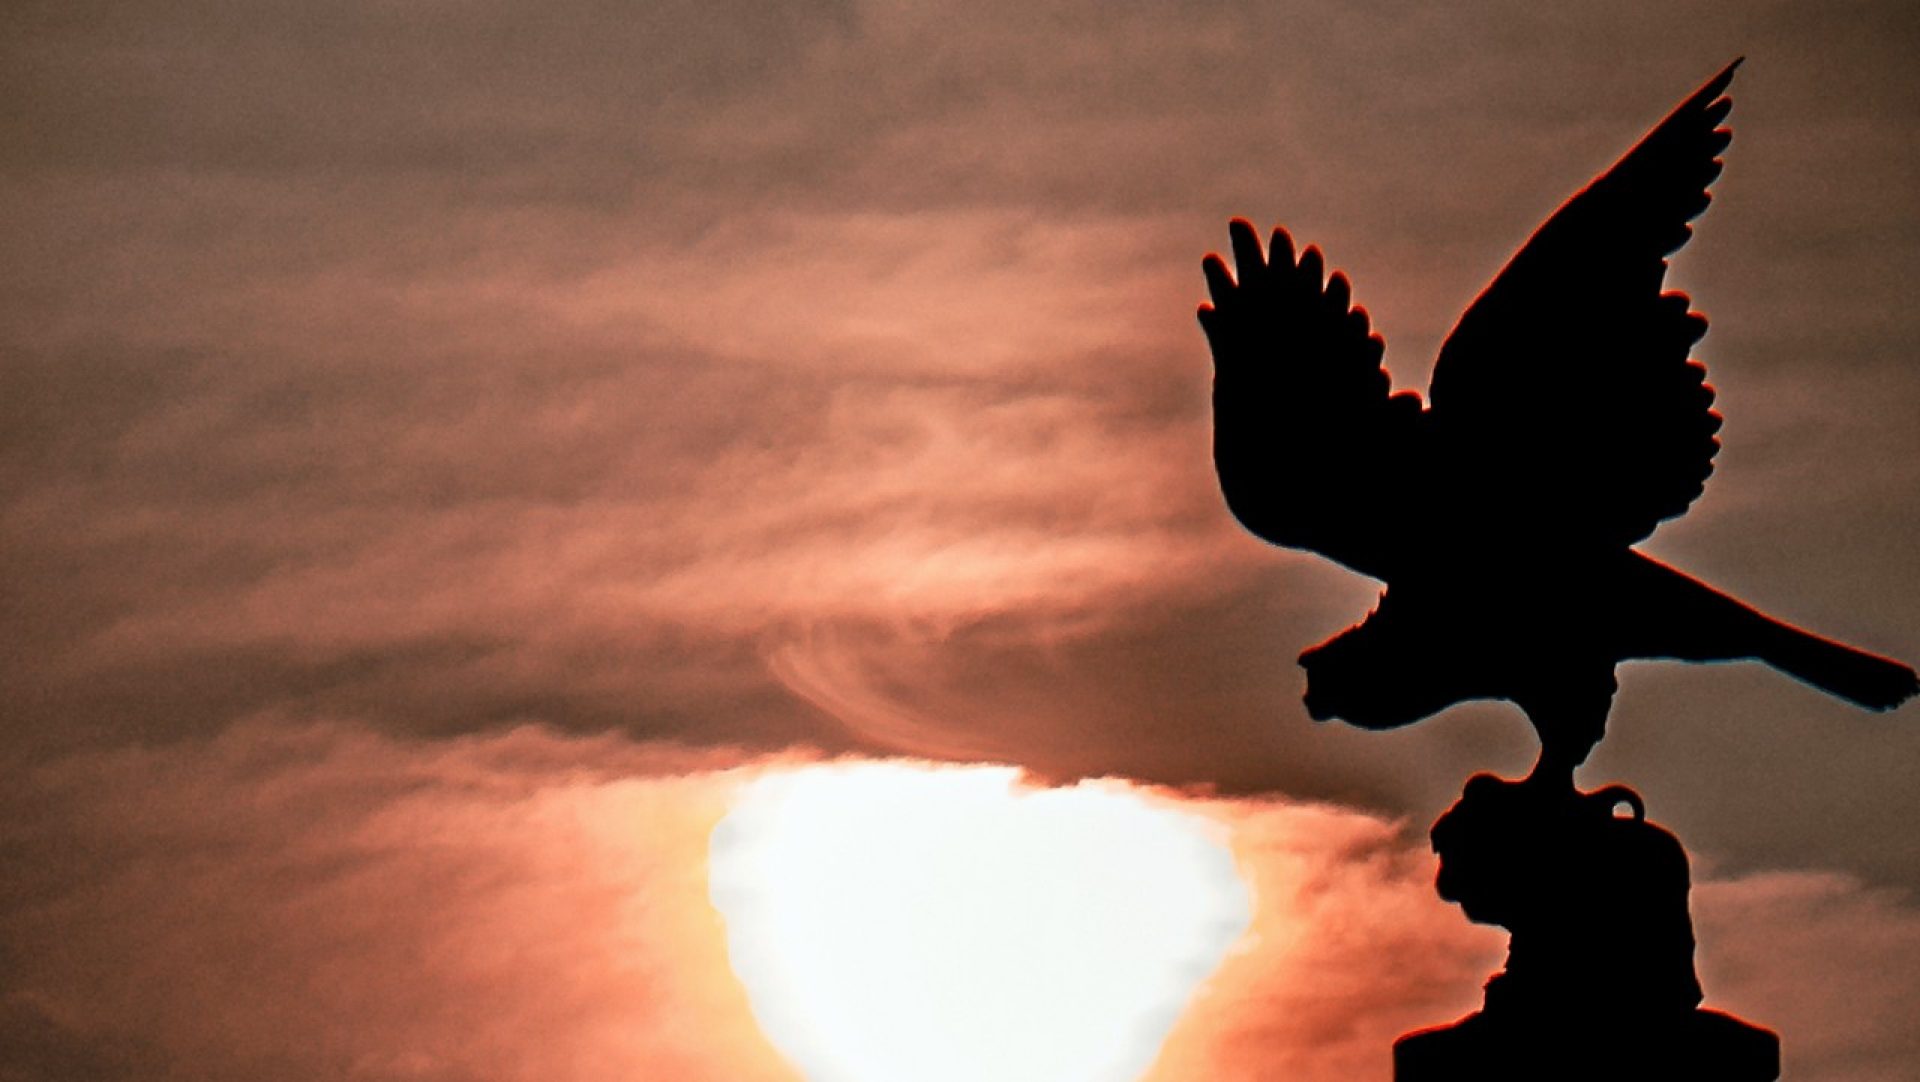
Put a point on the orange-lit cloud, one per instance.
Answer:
(315, 901)
(318, 902)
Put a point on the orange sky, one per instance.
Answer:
(314, 900)
(438, 445)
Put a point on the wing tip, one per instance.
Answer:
(1717, 85)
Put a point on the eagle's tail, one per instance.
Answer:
(1695, 622)
(1867, 680)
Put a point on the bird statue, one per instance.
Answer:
(1565, 420)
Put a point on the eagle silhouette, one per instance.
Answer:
(1564, 422)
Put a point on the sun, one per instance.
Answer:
(894, 921)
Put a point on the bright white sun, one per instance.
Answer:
(896, 922)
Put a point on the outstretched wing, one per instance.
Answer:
(1564, 403)
(1307, 436)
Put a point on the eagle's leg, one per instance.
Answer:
(1556, 764)
(1569, 711)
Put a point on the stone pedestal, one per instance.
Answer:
(1698, 1045)
(1599, 981)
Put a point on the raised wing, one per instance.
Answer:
(1307, 437)
(1564, 405)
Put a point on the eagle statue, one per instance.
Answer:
(1564, 422)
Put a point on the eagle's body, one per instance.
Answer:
(1565, 421)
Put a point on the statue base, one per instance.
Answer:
(1599, 982)
(1702, 1044)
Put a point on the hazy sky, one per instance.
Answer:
(423, 414)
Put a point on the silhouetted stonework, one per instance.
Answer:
(1599, 981)
(1565, 420)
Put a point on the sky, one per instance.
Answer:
(446, 447)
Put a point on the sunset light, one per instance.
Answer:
(689, 542)
(897, 921)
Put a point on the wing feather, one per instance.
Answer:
(1565, 403)
(1307, 432)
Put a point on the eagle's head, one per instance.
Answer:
(1391, 669)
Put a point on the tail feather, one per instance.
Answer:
(1868, 680)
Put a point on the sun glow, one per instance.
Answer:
(897, 922)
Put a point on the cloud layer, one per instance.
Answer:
(649, 373)
(317, 901)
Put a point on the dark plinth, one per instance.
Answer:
(1599, 981)
(1699, 1044)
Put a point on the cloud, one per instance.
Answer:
(315, 900)
(1351, 948)
(456, 373)
(1835, 987)
(318, 902)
